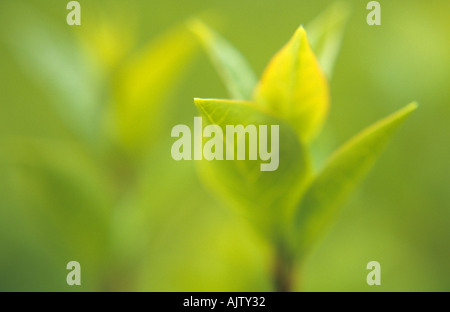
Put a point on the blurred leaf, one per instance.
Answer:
(294, 88)
(65, 198)
(57, 63)
(108, 35)
(264, 197)
(229, 62)
(345, 169)
(325, 35)
(142, 84)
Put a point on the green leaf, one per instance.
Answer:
(265, 197)
(52, 57)
(325, 34)
(294, 88)
(345, 169)
(143, 83)
(229, 62)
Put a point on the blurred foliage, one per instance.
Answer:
(151, 225)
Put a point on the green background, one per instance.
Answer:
(169, 233)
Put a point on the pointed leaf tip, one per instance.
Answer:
(294, 87)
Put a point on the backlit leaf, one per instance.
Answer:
(264, 197)
(294, 88)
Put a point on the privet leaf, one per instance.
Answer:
(345, 169)
(142, 84)
(325, 35)
(264, 197)
(229, 62)
(294, 88)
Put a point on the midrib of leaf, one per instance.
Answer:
(242, 184)
(242, 170)
(294, 88)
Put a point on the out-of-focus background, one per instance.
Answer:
(85, 177)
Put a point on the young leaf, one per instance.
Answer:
(142, 84)
(294, 88)
(231, 65)
(325, 34)
(345, 169)
(264, 197)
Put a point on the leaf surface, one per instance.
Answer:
(294, 88)
(265, 197)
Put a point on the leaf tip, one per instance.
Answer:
(412, 106)
(300, 33)
(407, 110)
(200, 30)
(198, 102)
(202, 103)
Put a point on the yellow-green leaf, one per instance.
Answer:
(143, 83)
(229, 62)
(294, 88)
(264, 197)
(345, 169)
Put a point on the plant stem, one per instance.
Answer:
(283, 271)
